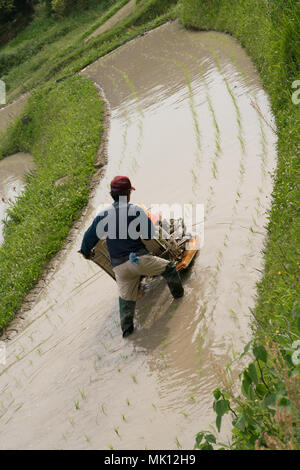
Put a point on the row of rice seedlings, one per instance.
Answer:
(259, 210)
(193, 110)
(261, 118)
(220, 256)
(218, 151)
(132, 88)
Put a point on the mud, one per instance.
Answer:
(120, 15)
(189, 123)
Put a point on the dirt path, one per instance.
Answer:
(189, 123)
(120, 15)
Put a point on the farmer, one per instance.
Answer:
(124, 225)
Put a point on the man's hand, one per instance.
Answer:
(86, 257)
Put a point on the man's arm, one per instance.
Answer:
(90, 238)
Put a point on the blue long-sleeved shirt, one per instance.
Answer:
(123, 225)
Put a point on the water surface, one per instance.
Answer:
(190, 123)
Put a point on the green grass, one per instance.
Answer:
(63, 135)
(270, 31)
(26, 63)
(38, 44)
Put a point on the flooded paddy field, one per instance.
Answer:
(190, 124)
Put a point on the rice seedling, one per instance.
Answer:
(30, 337)
(139, 108)
(179, 446)
(134, 378)
(82, 394)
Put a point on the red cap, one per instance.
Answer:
(121, 183)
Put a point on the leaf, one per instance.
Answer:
(218, 422)
(217, 394)
(240, 423)
(210, 438)
(253, 373)
(261, 390)
(221, 407)
(246, 349)
(260, 353)
(246, 383)
(199, 438)
(270, 401)
(249, 420)
(284, 402)
(206, 446)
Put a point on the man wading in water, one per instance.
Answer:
(124, 225)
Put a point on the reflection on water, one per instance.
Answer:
(13, 170)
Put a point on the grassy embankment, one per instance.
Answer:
(27, 62)
(266, 413)
(36, 46)
(62, 131)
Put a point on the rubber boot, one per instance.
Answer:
(127, 308)
(171, 275)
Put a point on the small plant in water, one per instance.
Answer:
(179, 446)
(82, 393)
(134, 378)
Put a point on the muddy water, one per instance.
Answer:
(13, 168)
(120, 15)
(13, 171)
(190, 123)
(11, 111)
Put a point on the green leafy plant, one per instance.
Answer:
(204, 441)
